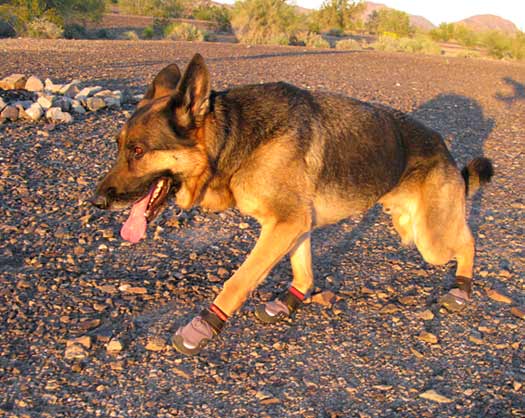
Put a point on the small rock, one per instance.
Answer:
(427, 337)
(180, 373)
(244, 225)
(156, 344)
(325, 298)
(103, 93)
(112, 102)
(34, 112)
(34, 84)
(88, 91)
(77, 107)
(517, 385)
(114, 346)
(498, 297)
(13, 82)
(75, 351)
(408, 300)
(70, 89)
(46, 101)
(136, 98)
(135, 290)
(432, 395)
(518, 312)
(56, 115)
(475, 340)
(89, 324)
(84, 341)
(425, 315)
(64, 103)
(52, 87)
(389, 309)
(95, 103)
(9, 113)
(2, 104)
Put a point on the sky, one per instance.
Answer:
(438, 11)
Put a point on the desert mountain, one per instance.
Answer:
(489, 22)
(416, 21)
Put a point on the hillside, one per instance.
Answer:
(416, 21)
(481, 23)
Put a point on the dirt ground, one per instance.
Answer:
(65, 272)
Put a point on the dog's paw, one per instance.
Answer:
(455, 301)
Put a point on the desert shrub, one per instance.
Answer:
(502, 46)
(465, 36)
(43, 28)
(335, 32)
(311, 40)
(102, 34)
(220, 15)
(348, 44)
(130, 35)
(210, 36)
(75, 31)
(443, 33)
(264, 21)
(338, 15)
(419, 44)
(389, 20)
(148, 32)
(158, 8)
(183, 32)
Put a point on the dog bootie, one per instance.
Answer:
(459, 296)
(280, 308)
(191, 338)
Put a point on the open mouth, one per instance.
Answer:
(146, 210)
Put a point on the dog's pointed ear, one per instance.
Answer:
(194, 89)
(164, 83)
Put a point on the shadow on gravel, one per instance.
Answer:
(282, 54)
(517, 94)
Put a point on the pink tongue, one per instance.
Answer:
(134, 228)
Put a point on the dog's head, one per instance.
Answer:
(159, 148)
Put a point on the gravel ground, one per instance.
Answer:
(65, 273)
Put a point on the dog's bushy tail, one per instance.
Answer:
(476, 173)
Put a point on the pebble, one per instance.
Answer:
(34, 112)
(46, 101)
(427, 337)
(325, 298)
(2, 104)
(10, 113)
(75, 351)
(389, 309)
(432, 395)
(95, 103)
(56, 115)
(518, 312)
(114, 346)
(498, 297)
(425, 315)
(84, 341)
(156, 344)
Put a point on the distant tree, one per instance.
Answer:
(156, 8)
(218, 14)
(465, 36)
(264, 21)
(389, 20)
(339, 14)
(443, 33)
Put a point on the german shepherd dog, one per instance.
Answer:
(294, 160)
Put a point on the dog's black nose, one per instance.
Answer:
(100, 202)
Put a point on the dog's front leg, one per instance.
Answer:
(275, 241)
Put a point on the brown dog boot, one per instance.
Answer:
(459, 296)
(281, 307)
(191, 338)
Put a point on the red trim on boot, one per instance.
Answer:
(296, 293)
(217, 311)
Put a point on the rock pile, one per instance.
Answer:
(32, 99)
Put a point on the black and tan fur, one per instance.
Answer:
(294, 160)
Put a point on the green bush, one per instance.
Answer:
(465, 36)
(389, 20)
(339, 15)
(183, 32)
(130, 35)
(75, 31)
(443, 33)
(148, 32)
(420, 44)
(44, 28)
(348, 44)
(271, 22)
(157, 8)
(311, 40)
(217, 14)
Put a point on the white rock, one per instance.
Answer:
(9, 112)
(34, 112)
(88, 91)
(34, 84)
(104, 93)
(95, 103)
(70, 89)
(112, 102)
(13, 81)
(77, 107)
(55, 114)
(46, 101)
(52, 87)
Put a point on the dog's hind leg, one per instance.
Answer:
(303, 280)
(276, 240)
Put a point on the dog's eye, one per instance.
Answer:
(138, 151)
